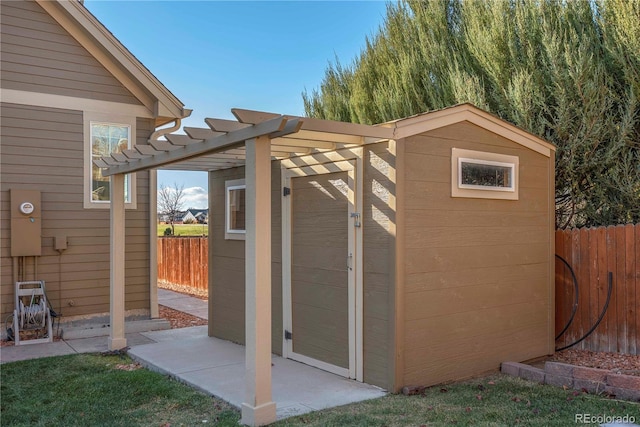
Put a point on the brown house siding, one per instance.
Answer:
(38, 55)
(477, 270)
(227, 262)
(43, 149)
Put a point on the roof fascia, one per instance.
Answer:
(115, 57)
(467, 112)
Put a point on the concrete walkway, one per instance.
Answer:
(184, 303)
(211, 365)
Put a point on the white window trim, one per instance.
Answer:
(459, 155)
(116, 119)
(229, 234)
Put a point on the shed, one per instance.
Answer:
(413, 252)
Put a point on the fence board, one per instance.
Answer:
(183, 262)
(593, 253)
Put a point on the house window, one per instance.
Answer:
(235, 209)
(478, 174)
(106, 134)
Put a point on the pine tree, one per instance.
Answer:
(568, 72)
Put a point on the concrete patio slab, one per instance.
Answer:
(217, 367)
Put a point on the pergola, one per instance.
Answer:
(252, 141)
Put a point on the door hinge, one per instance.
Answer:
(286, 191)
(288, 335)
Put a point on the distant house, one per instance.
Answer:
(200, 216)
(165, 218)
(71, 93)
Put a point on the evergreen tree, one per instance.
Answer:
(568, 72)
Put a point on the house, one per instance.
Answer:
(195, 216)
(413, 252)
(71, 92)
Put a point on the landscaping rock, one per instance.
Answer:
(532, 374)
(512, 368)
(558, 380)
(557, 368)
(624, 381)
(623, 393)
(591, 374)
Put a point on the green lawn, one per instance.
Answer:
(185, 229)
(91, 390)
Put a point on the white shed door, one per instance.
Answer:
(320, 287)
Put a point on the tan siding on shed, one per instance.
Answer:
(378, 289)
(34, 137)
(38, 55)
(227, 268)
(477, 270)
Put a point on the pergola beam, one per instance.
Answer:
(318, 125)
(298, 142)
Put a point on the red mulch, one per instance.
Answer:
(618, 363)
(179, 319)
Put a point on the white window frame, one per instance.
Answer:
(117, 120)
(229, 233)
(458, 189)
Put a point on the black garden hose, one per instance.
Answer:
(575, 296)
(604, 310)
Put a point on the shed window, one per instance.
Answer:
(235, 209)
(482, 174)
(478, 174)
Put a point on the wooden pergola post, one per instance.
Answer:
(258, 407)
(116, 303)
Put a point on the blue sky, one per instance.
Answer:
(216, 55)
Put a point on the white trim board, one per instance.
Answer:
(48, 100)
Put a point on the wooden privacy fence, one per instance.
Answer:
(595, 254)
(183, 262)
